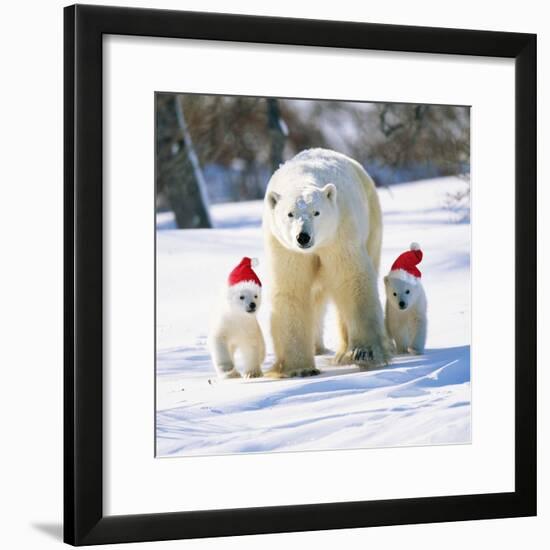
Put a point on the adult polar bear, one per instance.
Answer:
(323, 232)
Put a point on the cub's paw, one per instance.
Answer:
(233, 373)
(254, 373)
(415, 351)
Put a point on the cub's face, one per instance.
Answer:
(244, 297)
(401, 294)
(304, 221)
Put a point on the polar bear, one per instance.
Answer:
(234, 326)
(322, 226)
(406, 303)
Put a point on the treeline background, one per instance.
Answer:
(212, 149)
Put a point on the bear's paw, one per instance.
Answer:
(280, 370)
(370, 357)
(360, 355)
(254, 373)
(233, 373)
(308, 371)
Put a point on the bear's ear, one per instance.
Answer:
(273, 198)
(329, 190)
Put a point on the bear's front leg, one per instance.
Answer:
(292, 324)
(419, 341)
(222, 359)
(291, 329)
(253, 357)
(401, 338)
(355, 293)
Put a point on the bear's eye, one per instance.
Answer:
(407, 292)
(242, 297)
(316, 213)
(255, 296)
(290, 215)
(395, 293)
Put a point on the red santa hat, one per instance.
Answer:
(405, 266)
(244, 273)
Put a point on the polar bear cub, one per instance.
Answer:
(235, 328)
(406, 303)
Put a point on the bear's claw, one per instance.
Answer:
(305, 372)
(256, 373)
(233, 373)
(370, 357)
(362, 354)
(279, 370)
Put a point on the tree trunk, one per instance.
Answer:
(277, 131)
(179, 175)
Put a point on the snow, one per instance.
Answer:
(416, 400)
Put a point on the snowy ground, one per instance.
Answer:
(415, 401)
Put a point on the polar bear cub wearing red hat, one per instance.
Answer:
(235, 326)
(406, 303)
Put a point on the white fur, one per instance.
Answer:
(406, 326)
(332, 199)
(404, 276)
(234, 327)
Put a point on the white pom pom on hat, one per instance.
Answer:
(415, 246)
(254, 262)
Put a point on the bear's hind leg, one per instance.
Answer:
(319, 310)
(342, 357)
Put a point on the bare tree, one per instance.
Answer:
(408, 134)
(278, 132)
(178, 172)
(241, 140)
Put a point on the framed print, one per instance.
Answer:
(300, 275)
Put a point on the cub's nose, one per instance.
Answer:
(402, 304)
(303, 239)
(252, 306)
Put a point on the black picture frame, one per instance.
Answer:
(84, 27)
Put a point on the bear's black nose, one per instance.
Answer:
(401, 304)
(303, 239)
(252, 305)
